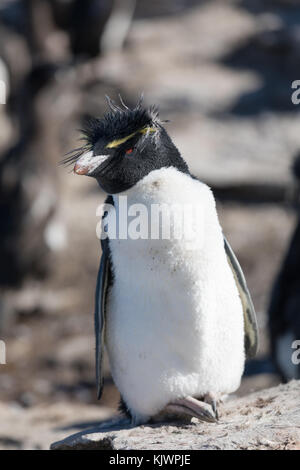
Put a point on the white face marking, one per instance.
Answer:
(90, 161)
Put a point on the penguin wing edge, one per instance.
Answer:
(101, 293)
(250, 321)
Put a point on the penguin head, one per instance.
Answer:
(123, 147)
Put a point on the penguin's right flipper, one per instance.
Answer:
(103, 281)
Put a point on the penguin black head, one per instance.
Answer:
(123, 147)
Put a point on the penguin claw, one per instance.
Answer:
(195, 408)
(212, 400)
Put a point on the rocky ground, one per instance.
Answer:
(266, 420)
(37, 427)
(222, 72)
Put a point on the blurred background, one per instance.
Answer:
(222, 72)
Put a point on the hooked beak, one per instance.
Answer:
(88, 163)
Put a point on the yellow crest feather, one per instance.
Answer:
(117, 142)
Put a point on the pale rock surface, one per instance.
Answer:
(269, 419)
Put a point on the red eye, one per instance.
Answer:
(129, 151)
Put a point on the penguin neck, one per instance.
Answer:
(152, 183)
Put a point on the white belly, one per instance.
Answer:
(174, 321)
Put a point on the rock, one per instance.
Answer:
(37, 426)
(269, 419)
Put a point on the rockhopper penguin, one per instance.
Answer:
(177, 321)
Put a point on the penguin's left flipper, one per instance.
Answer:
(250, 322)
(104, 276)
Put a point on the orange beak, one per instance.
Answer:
(80, 169)
(88, 162)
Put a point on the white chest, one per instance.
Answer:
(174, 309)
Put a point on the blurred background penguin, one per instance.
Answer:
(284, 309)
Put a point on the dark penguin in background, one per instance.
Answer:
(177, 320)
(284, 308)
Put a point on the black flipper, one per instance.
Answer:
(104, 280)
(250, 322)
